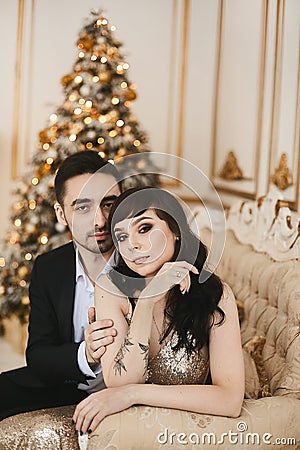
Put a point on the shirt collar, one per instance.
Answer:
(80, 272)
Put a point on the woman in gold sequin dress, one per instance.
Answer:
(177, 322)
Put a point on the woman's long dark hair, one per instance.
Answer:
(193, 314)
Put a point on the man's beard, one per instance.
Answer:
(98, 247)
(105, 246)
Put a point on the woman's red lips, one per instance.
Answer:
(140, 260)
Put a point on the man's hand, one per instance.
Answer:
(97, 335)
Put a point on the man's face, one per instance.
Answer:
(86, 207)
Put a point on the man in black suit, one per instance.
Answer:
(65, 341)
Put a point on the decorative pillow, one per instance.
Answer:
(252, 384)
(254, 348)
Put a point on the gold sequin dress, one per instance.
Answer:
(169, 366)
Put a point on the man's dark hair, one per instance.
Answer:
(86, 161)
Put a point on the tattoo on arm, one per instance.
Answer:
(119, 364)
(145, 352)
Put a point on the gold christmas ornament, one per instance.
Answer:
(129, 94)
(2, 290)
(25, 300)
(44, 135)
(67, 79)
(85, 42)
(113, 52)
(23, 271)
(104, 76)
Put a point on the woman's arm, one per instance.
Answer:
(224, 397)
(126, 359)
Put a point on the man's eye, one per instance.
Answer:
(81, 208)
(145, 228)
(121, 237)
(107, 205)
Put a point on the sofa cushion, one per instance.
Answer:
(252, 384)
(270, 294)
(150, 428)
(254, 348)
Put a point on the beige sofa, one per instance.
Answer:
(268, 296)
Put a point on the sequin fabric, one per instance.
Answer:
(177, 367)
(46, 429)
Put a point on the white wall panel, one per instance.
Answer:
(240, 90)
(286, 113)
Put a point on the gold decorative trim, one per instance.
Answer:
(282, 177)
(278, 71)
(264, 28)
(182, 87)
(277, 79)
(260, 94)
(17, 91)
(29, 86)
(296, 204)
(182, 81)
(216, 89)
(171, 72)
(268, 225)
(275, 66)
(231, 169)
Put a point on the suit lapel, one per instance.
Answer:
(66, 289)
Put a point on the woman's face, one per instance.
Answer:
(145, 242)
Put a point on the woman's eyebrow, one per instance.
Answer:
(134, 222)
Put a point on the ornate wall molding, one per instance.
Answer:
(269, 225)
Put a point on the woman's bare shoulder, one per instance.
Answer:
(105, 285)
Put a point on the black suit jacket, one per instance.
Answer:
(51, 352)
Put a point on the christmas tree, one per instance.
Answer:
(96, 116)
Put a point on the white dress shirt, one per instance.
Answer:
(84, 298)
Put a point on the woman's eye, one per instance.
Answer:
(121, 237)
(145, 228)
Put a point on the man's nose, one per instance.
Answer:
(100, 219)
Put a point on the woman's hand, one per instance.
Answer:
(93, 409)
(170, 274)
